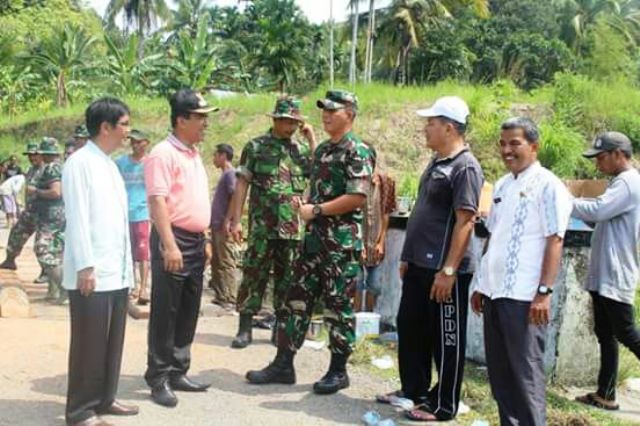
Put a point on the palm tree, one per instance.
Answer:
(187, 16)
(129, 74)
(405, 20)
(141, 14)
(63, 57)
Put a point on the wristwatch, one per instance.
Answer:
(543, 290)
(449, 271)
(317, 210)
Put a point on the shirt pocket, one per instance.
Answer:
(266, 170)
(438, 187)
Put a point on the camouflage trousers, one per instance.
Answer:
(332, 277)
(21, 232)
(265, 259)
(49, 246)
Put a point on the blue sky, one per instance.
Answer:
(316, 10)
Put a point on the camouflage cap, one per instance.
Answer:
(287, 107)
(138, 135)
(338, 99)
(32, 148)
(48, 146)
(81, 132)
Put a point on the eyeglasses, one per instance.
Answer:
(123, 123)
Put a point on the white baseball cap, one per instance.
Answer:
(451, 107)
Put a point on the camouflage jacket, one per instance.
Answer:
(338, 169)
(50, 212)
(277, 170)
(32, 177)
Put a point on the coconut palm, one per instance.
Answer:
(143, 15)
(404, 21)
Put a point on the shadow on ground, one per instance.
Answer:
(20, 412)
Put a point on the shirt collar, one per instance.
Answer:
(451, 157)
(526, 172)
(180, 146)
(91, 145)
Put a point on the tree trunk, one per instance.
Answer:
(331, 59)
(365, 77)
(140, 50)
(372, 10)
(61, 90)
(354, 44)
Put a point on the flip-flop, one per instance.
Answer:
(388, 397)
(420, 414)
(594, 400)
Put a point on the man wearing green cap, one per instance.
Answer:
(50, 221)
(276, 167)
(131, 167)
(80, 136)
(26, 224)
(328, 265)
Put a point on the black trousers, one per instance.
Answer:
(175, 306)
(515, 362)
(613, 322)
(95, 354)
(432, 332)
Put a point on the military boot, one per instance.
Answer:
(336, 378)
(243, 338)
(9, 263)
(55, 277)
(279, 371)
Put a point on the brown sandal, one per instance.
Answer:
(421, 413)
(594, 400)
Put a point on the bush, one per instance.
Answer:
(561, 151)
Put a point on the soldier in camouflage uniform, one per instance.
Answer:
(49, 208)
(276, 167)
(80, 136)
(26, 224)
(328, 265)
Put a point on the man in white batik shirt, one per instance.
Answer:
(528, 220)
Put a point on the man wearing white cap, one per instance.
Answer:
(436, 267)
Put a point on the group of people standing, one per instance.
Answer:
(307, 205)
(529, 216)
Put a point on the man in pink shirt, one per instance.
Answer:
(178, 195)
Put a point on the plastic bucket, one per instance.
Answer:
(367, 324)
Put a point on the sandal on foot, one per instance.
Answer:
(595, 400)
(387, 398)
(420, 414)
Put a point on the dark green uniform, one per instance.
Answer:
(26, 224)
(277, 170)
(49, 245)
(329, 263)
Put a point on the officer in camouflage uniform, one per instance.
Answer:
(276, 166)
(49, 208)
(80, 136)
(26, 224)
(329, 263)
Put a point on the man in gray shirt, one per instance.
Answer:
(613, 270)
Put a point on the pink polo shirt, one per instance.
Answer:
(175, 171)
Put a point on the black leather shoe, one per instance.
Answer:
(185, 384)
(332, 382)
(163, 395)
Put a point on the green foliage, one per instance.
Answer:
(561, 150)
(609, 54)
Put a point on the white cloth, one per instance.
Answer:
(13, 185)
(97, 232)
(525, 211)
